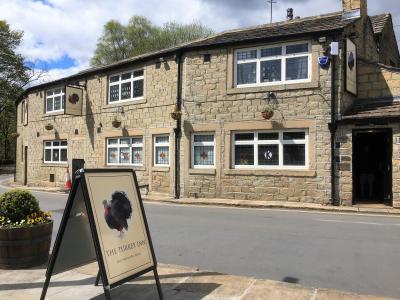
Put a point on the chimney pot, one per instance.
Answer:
(289, 15)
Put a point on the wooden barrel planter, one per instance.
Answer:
(25, 247)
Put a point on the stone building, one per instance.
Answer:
(334, 136)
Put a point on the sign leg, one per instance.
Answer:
(45, 287)
(96, 283)
(160, 294)
(107, 293)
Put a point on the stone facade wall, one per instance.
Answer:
(388, 51)
(213, 104)
(145, 117)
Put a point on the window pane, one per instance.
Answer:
(294, 135)
(137, 140)
(138, 88)
(246, 73)
(63, 143)
(271, 52)
(138, 73)
(48, 144)
(47, 155)
(114, 78)
(204, 155)
(294, 155)
(268, 136)
(57, 91)
(113, 155)
(162, 155)
(137, 155)
(124, 155)
(271, 70)
(62, 101)
(63, 155)
(203, 138)
(49, 104)
(56, 143)
(162, 139)
(244, 155)
(250, 54)
(57, 103)
(49, 92)
(244, 136)
(56, 154)
(126, 90)
(125, 142)
(268, 155)
(297, 68)
(112, 141)
(299, 48)
(126, 76)
(114, 93)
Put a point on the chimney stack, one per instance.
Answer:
(289, 15)
(349, 5)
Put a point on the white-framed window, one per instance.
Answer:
(273, 64)
(287, 149)
(24, 106)
(55, 100)
(125, 151)
(56, 152)
(126, 86)
(161, 150)
(203, 150)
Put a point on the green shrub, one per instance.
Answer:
(16, 205)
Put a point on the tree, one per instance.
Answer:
(140, 36)
(14, 76)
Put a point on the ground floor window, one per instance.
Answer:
(161, 150)
(270, 149)
(203, 150)
(55, 151)
(125, 151)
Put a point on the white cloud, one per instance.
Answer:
(72, 27)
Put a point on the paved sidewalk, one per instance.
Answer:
(178, 283)
(162, 198)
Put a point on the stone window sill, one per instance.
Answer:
(202, 171)
(55, 165)
(160, 169)
(135, 168)
(288, 173)
(273, 88)
(124, 103)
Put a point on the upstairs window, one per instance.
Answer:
(126, 86)
(56, 152)
(55, 100)
(270, 150)
(285, 63)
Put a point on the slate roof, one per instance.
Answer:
(379, 22)
(302, 26)
(374, 109)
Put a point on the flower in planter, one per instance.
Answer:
(267, 112)
(176, 114)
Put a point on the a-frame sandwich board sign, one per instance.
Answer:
(104, 220)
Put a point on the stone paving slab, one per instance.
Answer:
(178, 283)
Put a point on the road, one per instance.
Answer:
(355, 253)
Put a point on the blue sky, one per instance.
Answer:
(61, 35)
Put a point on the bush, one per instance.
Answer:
(16, 205)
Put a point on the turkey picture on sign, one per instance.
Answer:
(119, 222)
(117, 212)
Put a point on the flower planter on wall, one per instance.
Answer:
(267, 114)
(25, 247)
(116, 123)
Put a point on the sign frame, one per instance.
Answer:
(354, 91)
(73, 109)
(81, 180)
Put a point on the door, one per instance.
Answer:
(372, 166)
(25, 165)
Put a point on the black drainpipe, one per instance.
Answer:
(332, 128)
(177, 129)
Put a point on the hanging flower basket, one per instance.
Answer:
(48, 126)
(267, 112)
(116, 123)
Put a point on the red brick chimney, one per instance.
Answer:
(356, 4)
